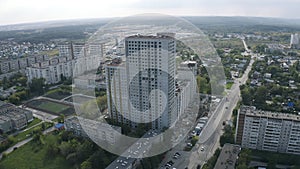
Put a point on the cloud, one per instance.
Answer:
(14, 11)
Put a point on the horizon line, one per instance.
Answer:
(114, 17)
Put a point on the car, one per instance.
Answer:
(171, 162)
(168, 165)
(198, 133)
(202, 148)
(178, 153)
(175, 156)
(189, 144)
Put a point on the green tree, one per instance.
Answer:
(242, 166)
(228, 136)
(86, 165)
(72, 158)
(66, 148)
(22, 80)
(194, 140)
(203, 85)
(5, 83)
(247, 97)
(37, 86)
(38, 136)
(261, 97)
(14, 99)
(273, 69)
(23, 95)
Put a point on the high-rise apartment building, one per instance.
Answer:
(270, 131)
(142, 89)
(295, 41)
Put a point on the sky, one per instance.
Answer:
(27, 11)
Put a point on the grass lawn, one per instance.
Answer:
(228, 85)
(31, 156)
(26, 134)
(34, 122)
(52, 106)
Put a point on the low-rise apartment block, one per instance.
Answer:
(228, 157)
(95, 130)
(13, 118)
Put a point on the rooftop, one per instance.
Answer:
(115, 62)
(252, 111)
(228, 156)
(158, 36)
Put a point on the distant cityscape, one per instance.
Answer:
(63, 98)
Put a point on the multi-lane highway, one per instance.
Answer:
(210, 135)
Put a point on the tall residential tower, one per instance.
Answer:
(142, 90)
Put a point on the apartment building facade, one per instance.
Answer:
(7, 66)
(97, 131)
(149, 66)
(269, 131)
(73, 60)
(13, 118)
(52, 70)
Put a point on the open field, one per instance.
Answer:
(33, 156)
(34, 122)
(51, 107)
(28, 133)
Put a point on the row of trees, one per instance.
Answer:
(37, 87)
(16, 79)
(78, 152)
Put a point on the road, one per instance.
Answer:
(42, 115)
(210, 135)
